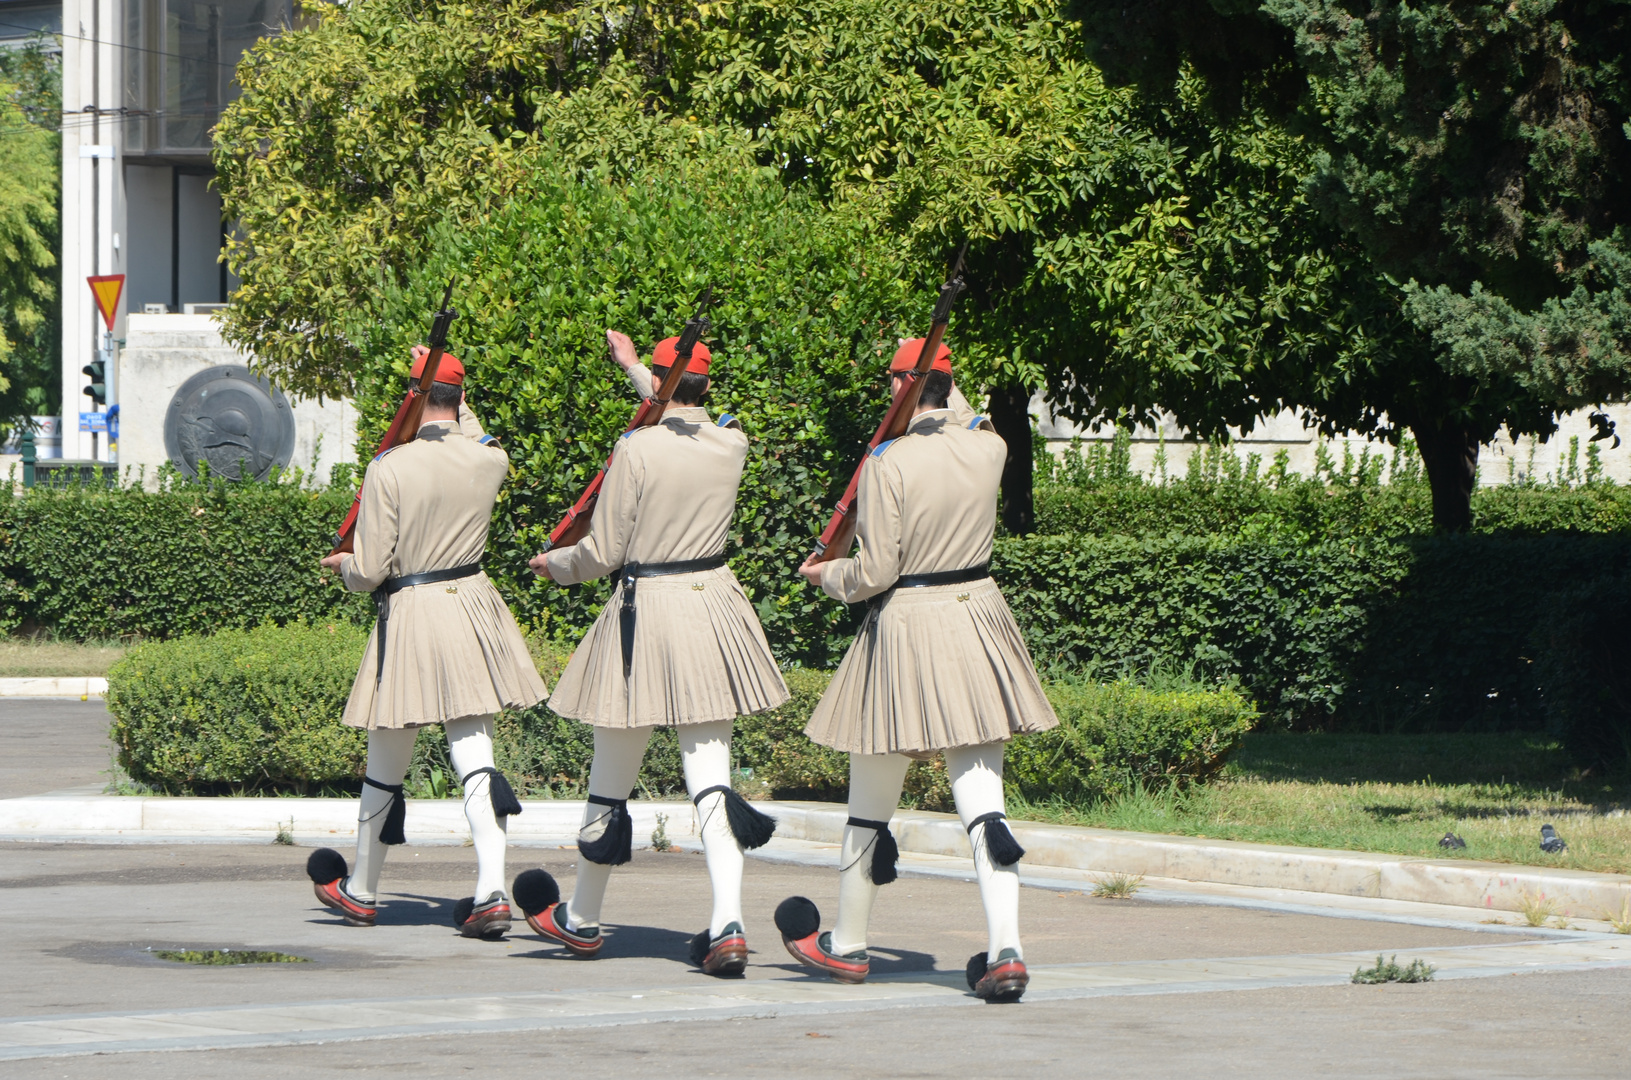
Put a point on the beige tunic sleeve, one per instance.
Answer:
(602, 551)
(961, 411)
(374, 542)
(469, 426)
(641, 379)
(876, 564)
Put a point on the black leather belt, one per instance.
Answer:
(629, 573)
(391, 586)
(944, 577)
(429, 577)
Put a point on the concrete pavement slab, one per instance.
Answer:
(53, 744)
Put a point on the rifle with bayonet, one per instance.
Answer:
(405, 425)
(836, 538)
(575, 526)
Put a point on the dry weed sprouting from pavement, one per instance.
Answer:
(1621, 922)
(1118, 886)
(1536, 908)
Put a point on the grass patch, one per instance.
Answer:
(227, 957)
(42, 657)
(1118, 886)
(1417, 971)
(1396, 794)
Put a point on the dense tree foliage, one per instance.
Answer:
(30, 178)
(1477, 153)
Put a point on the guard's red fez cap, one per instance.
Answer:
(663, 356)
(448, 368)
(906, 357)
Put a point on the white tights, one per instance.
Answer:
(874, 792)
(705, 752)
(390, 752)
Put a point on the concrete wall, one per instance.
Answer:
(161, 352)
(1499, 462)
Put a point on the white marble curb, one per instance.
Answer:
(83, 687)
(1451, 882)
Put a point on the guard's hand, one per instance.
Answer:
(622, 347)
(811, 571)
(331, 562)
(416, 352)
(539, 564)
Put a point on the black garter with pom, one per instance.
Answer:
(615, 846)
(752, 828)
(396, 812)
(885, 852)
(999, 839)
(499, 791)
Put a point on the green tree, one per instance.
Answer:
(30, 180)
(1475, 153)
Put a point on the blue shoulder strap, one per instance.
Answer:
(387, 450)
(485, 439)
(877, 451)
(725, 420)
(976, 422)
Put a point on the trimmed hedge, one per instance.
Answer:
(1430, 634)
(259, 710)
(193, 557)
(242, 710)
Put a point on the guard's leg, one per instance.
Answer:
(705, 752)
(612, 773)
(976, 786)
(999, 973)
(874, 792)
(390, 752)
(470, 746)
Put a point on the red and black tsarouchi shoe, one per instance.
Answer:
(489, 919)
(326, 867)
(1001, 980)
(725, 955)
(800, 923)
(550, 924)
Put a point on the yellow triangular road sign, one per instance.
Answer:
(106, 290)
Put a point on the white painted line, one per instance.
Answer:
(792, 995)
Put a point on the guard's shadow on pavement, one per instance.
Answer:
(883, 962)
(622, 939)
(404, 909)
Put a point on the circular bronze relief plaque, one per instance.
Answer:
(236, 424)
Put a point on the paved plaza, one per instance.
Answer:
(1131, 987)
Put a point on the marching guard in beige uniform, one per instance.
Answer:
(445, 648)
(938, 667)
(678, 644)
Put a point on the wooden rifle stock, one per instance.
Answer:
(405, 425)
(575, 526)
(836, 538)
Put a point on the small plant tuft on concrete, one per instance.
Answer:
(659, 835)
(1621, 922)
(1390, 972)
(285, 833)
(1118, 886)
(1536, 908)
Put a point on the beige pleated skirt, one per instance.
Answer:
(699, 655)
(452, 650)
(932, 668)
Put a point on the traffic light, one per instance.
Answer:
(98, 390)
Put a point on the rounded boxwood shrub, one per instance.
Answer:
(240, 710)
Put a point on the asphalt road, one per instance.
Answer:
(125, 900)
(53, 743)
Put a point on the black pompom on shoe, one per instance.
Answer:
(535, 891)
(975, 970)
(325, 866)
(797, 917)
(462, 910)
